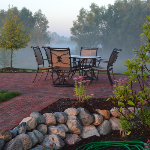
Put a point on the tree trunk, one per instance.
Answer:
(11, 59)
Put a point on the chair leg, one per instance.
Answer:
(41, 75)
(35, 76)
(109, 77)
(113, 75)
(46, 75)
(51, 75)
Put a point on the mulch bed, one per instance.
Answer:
(91, 105)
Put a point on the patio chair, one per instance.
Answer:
(40, 61)
(109, 67)
(61, 63)
(86, 63)
(47, 52)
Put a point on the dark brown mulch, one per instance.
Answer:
(12, 70)
(92, 104)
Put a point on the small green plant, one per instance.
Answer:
(6, 95)
(80, 89)
(123, 89)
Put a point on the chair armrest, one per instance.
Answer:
(99, 60)
(75, 61)
(105, 61)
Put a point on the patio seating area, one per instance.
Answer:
(38, 95)
(59, 60)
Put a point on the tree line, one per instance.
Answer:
(19, 29)
(118, 26)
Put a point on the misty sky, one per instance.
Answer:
(60, 13)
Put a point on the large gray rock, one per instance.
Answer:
(64, 127)
(33, 138)
(61, 117)
(42, 128)
(13, 133)
(14, 144)
(39, 118)
(50, 119)
(38, 147)
(104, 128)
(71, 111)
(2, 142)
(47, 142)
(72, 139)
(26, 142)
(57, 130)
(74, 125)
(115, 112)
(39, 135)
(89, 131)
(5, 135)
(31, 123)
(85, 117)
(57, 141)
(98, 119)
(21, 128)
(114, 123)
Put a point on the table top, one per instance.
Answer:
(86, 57)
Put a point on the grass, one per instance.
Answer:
(35, 70)
(6, 95)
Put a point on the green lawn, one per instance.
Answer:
(6, 95)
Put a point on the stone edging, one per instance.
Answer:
(59, 128)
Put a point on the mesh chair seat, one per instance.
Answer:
(109, 67)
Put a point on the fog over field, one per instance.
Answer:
(25, 57)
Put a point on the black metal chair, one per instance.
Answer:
(61, 64)
(40, 61)
(109, 67)
(85, 64)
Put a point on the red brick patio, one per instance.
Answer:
(38, 95)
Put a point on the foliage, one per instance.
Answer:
(13, 36)
(117, 26)
(125, 94)
(28, 20)
(39, 34)
(80, 89)
(85, 30)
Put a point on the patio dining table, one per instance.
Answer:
(93, 58)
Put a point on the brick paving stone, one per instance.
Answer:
(36, 96)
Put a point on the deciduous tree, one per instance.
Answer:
(12, 35)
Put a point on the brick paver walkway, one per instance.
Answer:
(38, 95)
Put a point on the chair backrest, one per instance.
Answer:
(113, 57)
(60, 57)
(88, 51)
(47, 52)
(38, 55)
